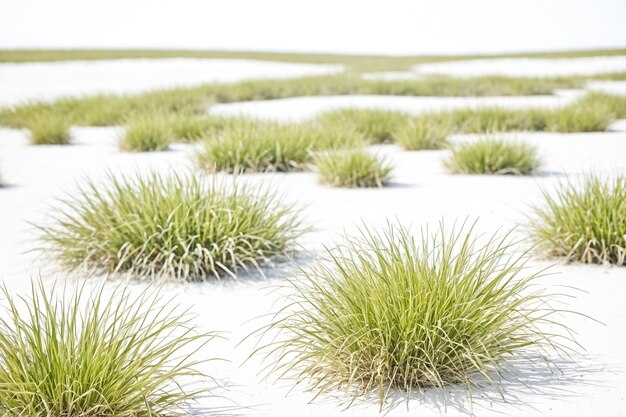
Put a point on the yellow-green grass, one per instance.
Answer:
(107, 110)
(377, 126)
(257, 146)
(96, 353)
(49, 129)
(493, 155)
(169, 227)
(386, 310)
(146, 134)
(354, 62)
(352, 168)
(425, 132)
(583, 221)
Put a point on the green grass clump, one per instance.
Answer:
(48, 129)
(169, 227)
(585, 115)
(352, 168)
(254, 146)
(146, 134)
(377, 126)
(584, 223)
(382, 311)
(73, 354)
(493, 156)
(425, 132)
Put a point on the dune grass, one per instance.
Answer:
(169, 227)
(255, 146)
(354, 62)
(377, 126)
(146, 134)
(583, 222)
(493, 155)
(352, 168)
(109, 110)
(82, 353)
(425, 132)
(49, 129)
(385, 311)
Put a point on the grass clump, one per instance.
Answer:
(377, 126)
(352, 168)
(254, 146)
(584, 222)
(171, 227)
(383, 311)
(493, 156)
(49, 129)
(146, 134)
(425, 132)
(71, 354)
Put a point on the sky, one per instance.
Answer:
(339, 26)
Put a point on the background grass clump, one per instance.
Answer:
(583, 222)
(49, 129)
(255, 146)
(352, 168)
(146, 134)
(71, 354)
(491, 155)
(377, 126)
(425, 132)
(170, 227)
(385, 310)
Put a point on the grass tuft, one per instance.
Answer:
(170, 227)
(493, 156)
(377, 126)
(428, 131)
(352, 168)
(72, 354)
(146, 134)
(254, 146)
(49, 129)
(584, 222)
(383, 311)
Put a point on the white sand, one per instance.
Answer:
(50, 80)
(525, 67)
(422, 192)
(300, 108)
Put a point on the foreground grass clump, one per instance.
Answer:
(49, 129)
(254, 146)
(73, 354)
(584, 222)
(146, 134)
(493, 156)
(377, 126)
(425, 132)
(382, 311)
(170, 227)
(352, 168)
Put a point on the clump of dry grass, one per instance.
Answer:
(169, 227)
(583, 222)
(352, 168)
(491, 155)
(384, 310)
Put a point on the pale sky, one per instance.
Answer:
(353, 26)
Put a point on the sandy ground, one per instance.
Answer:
(49, 80)
(592, 383)
(525, 67)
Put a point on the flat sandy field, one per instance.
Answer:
(591, 383)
